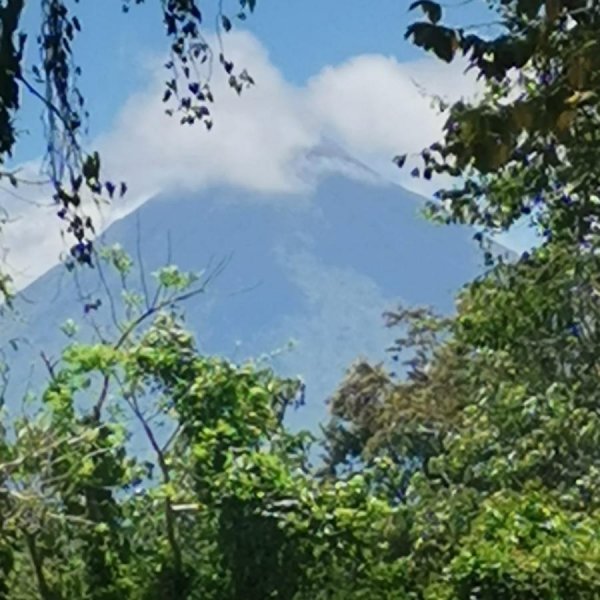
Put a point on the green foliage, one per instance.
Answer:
(528, 148)
(493, 427)
(220, 502)
(474, 474)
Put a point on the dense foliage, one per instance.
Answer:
(218, 499)
(475, 474)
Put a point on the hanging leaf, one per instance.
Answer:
(432, 10)
(577, 73)
(442, 41)
(195, 12)
(226, 23)
(399, 160)
(523, 115)
(110, 188)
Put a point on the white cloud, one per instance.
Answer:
(252, 145)
(378, 106)
(370, 105)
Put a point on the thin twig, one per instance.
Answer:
(49, 365)
(51, 108)
(138, 244)
(111, 301)
(164, 468)
(128, 331)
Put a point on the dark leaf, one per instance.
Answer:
(432, 10)
(244, 76)
(110, 188)
(442, 41)
(226, 23)
(195, 12)
(399, 160)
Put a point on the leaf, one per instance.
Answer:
(245, 76)
(580, 97)
(195, 12)
(523, 115)
(432, 10)
(110, 188)
(442, 41)
(91, 166)
(565, 119)
(399, 160)
(577, 73)
(226, 23)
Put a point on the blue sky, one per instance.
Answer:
(301, 36)
(325, 69)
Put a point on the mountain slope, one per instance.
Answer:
(320, 267)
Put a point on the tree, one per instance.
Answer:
(494, 434)
(528, 148)
(495, 422)
(219, 500)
